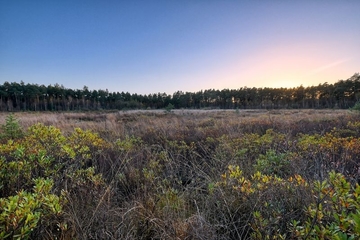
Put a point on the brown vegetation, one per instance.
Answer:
(189, 174)
(138, 122)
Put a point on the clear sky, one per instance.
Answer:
(166, 45)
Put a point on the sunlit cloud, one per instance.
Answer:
(331, 65)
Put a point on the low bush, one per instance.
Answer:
(173, 177)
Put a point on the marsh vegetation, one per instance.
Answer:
(180, 174)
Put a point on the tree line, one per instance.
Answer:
(33, 97)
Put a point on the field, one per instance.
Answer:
(125, 122)
(180, 174)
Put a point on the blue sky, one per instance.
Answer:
(164, 46)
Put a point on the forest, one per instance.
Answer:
(33, 97)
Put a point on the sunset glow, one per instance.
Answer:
(144, 48)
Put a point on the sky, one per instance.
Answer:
(154, 46)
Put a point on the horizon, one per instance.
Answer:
(148, 47)
(170, 94)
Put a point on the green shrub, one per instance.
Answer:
(273, 163)
(169, 108)
(356, 107)
(22, 213)
(264, 204)
(38, 172)
(11, 129)
(334, 213)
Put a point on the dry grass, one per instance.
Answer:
(130, 122)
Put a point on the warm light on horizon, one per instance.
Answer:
(287, 66)
(187, 46)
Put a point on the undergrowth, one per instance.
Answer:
(178, 177)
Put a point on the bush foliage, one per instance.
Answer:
(208, 178)
(11, 129)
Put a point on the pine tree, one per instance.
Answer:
(11, 129)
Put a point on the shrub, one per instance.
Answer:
(334, 213)
(11, 129)
(356, 107)
(169, 108)
(44, 176)
(273, 163)
(23, 213)
(261, 206)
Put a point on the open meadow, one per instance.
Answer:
(180, 174)
(134, 122)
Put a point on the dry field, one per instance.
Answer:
(131, 122)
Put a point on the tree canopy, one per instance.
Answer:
(33, 97)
